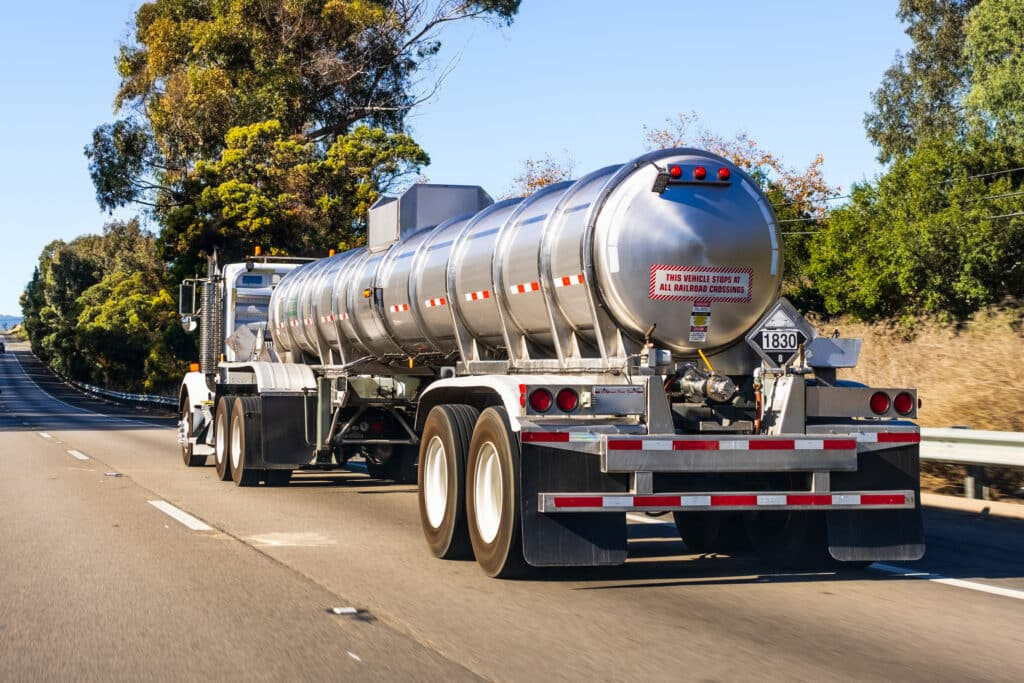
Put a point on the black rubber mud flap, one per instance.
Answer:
(568, 539)
(879, 535)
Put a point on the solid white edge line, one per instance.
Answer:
(79, 455)
(938, 578)
(188, 520)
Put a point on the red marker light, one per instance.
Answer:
(879, 403)
(540, 400)
(700, 173)
(567, 400)
(675, 172)
(723, 173)
(903, 403)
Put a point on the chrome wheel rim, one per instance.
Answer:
(435, 482)
(487, 489)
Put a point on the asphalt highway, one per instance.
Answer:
(330, 578)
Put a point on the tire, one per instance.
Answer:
(399, 468)
(190, 459)
(222, 437)
(442, 480)
(245, 441)
(707, 532)
(492, 496)
(797, 539)
(278, 477)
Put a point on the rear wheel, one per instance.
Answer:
(222, 437)
(492, 497)
(442, 479)
(245, 441)
(187, 455)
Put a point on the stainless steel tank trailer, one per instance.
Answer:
(542, 366)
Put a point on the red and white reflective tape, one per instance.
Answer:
(399, 308)
(559, 437)
(343, 316)
(732, 444)
(431, 303)
(569, 280)
(280, 324)
(478, 296)
(308, 321)
(525, 288)
(293, 323)
(889, 437)
(327, 318)
(582, 502)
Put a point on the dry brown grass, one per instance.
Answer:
(969, 374)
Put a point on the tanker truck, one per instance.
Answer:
(542, 366)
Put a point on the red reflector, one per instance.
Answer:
(782, 445)
(578, 501)
(540, 400)
(655, 501)
(899, 437)
(700, 173)
(567, 400)
(723, 173)
(903, 403)
(626, 445)
(544, 437)
(717, 501)
(882, 499)
(522, 395)
(809, 500)
(695, 445)
(879, 403)
(675, 171)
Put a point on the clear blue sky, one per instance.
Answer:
(569, 76)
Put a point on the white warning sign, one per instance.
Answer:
(706, 284)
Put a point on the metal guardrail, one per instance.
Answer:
(976, 450)
(124, 396)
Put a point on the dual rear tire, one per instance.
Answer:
(238, 443)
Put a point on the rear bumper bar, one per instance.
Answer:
(723, 502)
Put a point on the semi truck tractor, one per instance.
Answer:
(542, 366)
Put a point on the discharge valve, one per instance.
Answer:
(696, 385)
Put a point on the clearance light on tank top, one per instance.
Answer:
(700, 173)
(723, 173)
(567, 400)
(675, 171)
(879, 403)
(541, 400)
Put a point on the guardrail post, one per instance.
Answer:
(975, 484)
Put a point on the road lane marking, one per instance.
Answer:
(354, 656)
(938, 578)
(45, 435)
(188, 520)
(78, 455)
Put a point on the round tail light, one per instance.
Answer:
(723, 173)
(700, 173)
(879, 403)
(567, 400)
(903, 403)
(541, 400)
(675, 171)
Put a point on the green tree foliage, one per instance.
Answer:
(921, 93)
(96, 311)
(995, 54)
(221, 102)
(934, 235)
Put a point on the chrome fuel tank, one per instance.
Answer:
(681, 240)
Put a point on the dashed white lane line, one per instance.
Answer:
(188, 520)
(78, 455)
(354, 656)
(45, 435)
(938, 578)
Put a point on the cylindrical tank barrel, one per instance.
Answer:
(681, 239)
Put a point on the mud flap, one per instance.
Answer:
(568, 539)
(879, 535)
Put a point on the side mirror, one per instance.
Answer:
(188, 323)
(187, 298)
